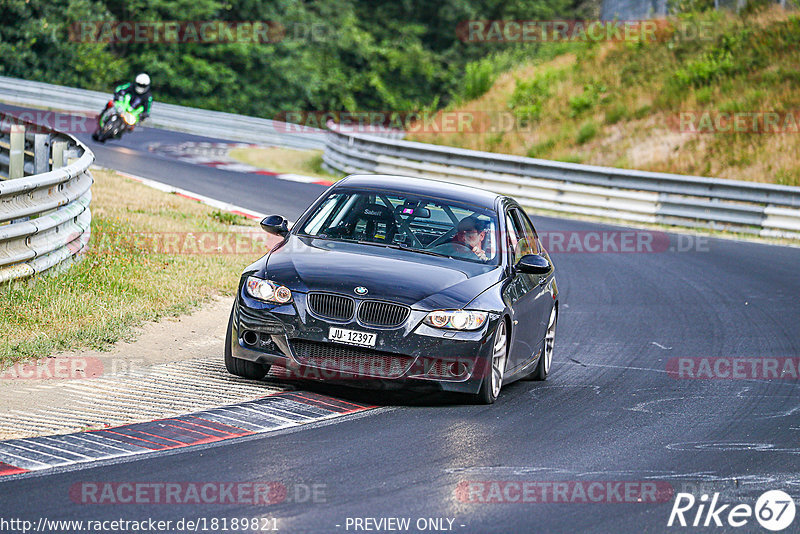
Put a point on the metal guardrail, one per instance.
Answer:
(168, 116)
(44, 202)
(691, 201)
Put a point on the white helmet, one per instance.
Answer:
(142, 83)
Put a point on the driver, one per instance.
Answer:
(470, 233)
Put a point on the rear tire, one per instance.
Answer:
(237, 366)
(546, 360)
(493, 377)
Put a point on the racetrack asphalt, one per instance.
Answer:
(610, 412)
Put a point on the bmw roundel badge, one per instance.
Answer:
(361, 290)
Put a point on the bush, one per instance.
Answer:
(227, 218)
(478, 79)
(585, 101)
(716, 64)
(541, 149)
(616, 114)
(642, 112)
(571, 158)
(703, 71)
(529, 96)
(587, 132)
(703, 95)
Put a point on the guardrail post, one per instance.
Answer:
(71, 154)
(16, 156)
(59, 149)
(41, 153)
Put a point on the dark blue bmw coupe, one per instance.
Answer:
(399, 281)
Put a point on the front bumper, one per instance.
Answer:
(412, 355)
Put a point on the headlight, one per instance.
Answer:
(267, 290)
(456, 319)
(129, 117)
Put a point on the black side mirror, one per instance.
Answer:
(533, 264)
(276, 225)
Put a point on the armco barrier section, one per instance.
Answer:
(44, 202)
(690, 201)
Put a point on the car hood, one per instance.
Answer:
(422, 281)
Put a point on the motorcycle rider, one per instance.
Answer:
(140, 95)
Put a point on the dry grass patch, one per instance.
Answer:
(146, 260)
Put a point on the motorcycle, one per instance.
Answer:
(119, 117)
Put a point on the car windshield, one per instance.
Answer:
(412, 223)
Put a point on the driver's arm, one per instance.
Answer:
(147, 106)
(121, 90)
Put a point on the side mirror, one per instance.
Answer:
(533, 264)
(276, 225)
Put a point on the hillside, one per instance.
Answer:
(262, 57)
(725, 104)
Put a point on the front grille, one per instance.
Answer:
(348, 362)
(377, 313)
(330, 306)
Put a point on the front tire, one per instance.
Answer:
(546, 360)
(493, 378)
(237, 366)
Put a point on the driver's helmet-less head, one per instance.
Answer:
(468, 224)
(142, 83)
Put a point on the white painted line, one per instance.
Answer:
(301, 178)
(92, 438)
(240, 423)
(16, 445)
(264, 414)
(71, 441)
(25, 461)
(59, 449)
(275, 408)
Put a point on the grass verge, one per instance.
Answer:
(146, 260)
(284, 160)
(698, 99)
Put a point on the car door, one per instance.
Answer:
(520, 295)
(542, 298)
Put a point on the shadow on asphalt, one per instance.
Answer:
(375, 395)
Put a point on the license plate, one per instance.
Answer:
(352, 337)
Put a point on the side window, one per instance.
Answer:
(522, 243)
(511, 238)
(530, 232)
(515, 237)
